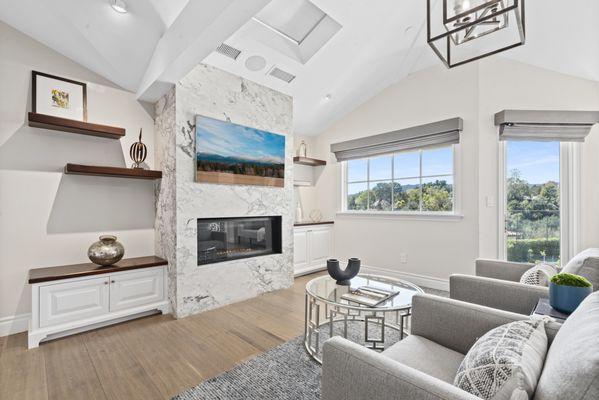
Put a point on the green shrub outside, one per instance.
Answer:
(533, 250)
(566, 279)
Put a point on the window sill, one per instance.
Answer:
(401, 215)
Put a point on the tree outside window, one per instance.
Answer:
(413, 181)
(532, 223)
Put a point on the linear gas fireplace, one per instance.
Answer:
(224, 239)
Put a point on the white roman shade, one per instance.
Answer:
(433, 134)
(561, 126)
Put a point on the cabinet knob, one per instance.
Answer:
(106, 283)
(112, 281)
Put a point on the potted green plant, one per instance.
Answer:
(567, 291)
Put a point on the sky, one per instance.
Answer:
(232, 140)
(406, 164)
(538, 162)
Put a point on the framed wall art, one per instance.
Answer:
(58, 97)
(228, 153)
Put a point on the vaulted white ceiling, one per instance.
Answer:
(358, 49)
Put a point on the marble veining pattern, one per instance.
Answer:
(214, 93)
(165, 224)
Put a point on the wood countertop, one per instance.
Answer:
(306, 223)
(38, 275)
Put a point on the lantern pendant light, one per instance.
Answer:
(461, 31)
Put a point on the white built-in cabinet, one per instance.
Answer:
(312, 248)
(66, 306)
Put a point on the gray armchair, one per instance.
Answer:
(423, 366)
(497, 284)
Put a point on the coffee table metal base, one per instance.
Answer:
(321, 315)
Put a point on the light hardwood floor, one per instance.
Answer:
(155, 357)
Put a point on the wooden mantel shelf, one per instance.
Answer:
(118, 172)
(38, 275)
(73, 126)
(313, 162)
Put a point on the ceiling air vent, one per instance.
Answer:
(282, 75)
(228, 51)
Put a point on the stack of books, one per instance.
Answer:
(368, 295)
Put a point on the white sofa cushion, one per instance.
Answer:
(571, 370)
(575, 264)
(539, 275)
(506, 362)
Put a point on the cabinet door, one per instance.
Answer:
(73, 301)
(319, 243)
(137, 288)
(300, 249)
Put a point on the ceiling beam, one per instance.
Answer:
(200, 28)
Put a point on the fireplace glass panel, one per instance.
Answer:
(224, 239)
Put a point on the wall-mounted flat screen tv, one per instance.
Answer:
(228, 153)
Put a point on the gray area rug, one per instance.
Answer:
(283, 373)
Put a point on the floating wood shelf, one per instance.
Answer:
(73, 126)
(313, 162)
(118, 172)
(308, 223)
(38, 275)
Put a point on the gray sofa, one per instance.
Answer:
(423, 366)
(497, 285)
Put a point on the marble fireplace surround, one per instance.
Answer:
(180, 201)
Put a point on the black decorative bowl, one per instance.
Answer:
(343, 276)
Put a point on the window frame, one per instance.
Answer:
(420, 214)
(570, 199)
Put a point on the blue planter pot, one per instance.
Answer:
(567, 298)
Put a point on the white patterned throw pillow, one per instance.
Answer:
(539, 275)
(506, 362)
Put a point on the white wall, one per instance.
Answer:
(305, 195)
(431, 246)
(474, 92)
(48, 218)
(507, 84)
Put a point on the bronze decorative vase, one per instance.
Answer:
(343, 276)
(106, 251)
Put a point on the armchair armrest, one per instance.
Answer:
(504, 295)
(353, 372)
(455, 324)
(506, 270)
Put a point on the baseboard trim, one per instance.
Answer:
(420, 280)
(14, 324)
(309, 270)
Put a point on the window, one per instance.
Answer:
(420, 181)
(532, 201)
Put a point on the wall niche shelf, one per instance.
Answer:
(312, 162)
(73, 126)
(116, 172)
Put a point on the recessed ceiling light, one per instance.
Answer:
(408, 29)
(119, 6)
(255, 63)
(327, 97)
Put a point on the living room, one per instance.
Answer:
(299, 199)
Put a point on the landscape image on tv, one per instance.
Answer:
(228, 153)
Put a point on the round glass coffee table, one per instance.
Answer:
(328, 313)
